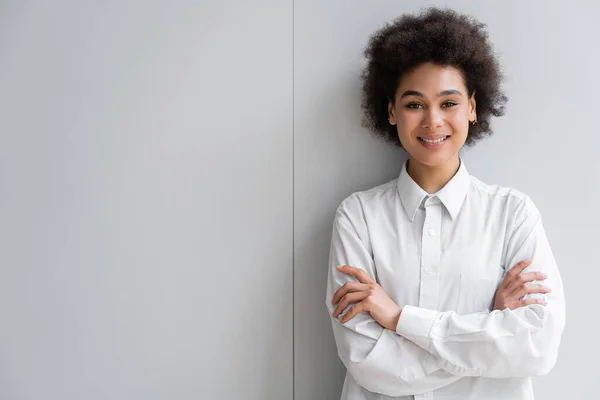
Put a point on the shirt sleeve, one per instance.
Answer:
(501, 343)
(378, 359)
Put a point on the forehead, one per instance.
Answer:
(429, 78)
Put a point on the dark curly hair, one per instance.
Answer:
(441, 36)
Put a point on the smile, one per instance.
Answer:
(434, 141)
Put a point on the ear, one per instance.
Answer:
(391, 112)
(472, 108)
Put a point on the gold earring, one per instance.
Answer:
(473, 123)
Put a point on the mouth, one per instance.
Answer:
(438, 139)
(433, 143)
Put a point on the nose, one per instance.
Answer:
(432, 119)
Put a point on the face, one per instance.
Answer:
(432, 104)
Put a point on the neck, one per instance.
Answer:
(432, 178)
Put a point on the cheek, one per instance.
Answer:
(408, 122)
(459, 122)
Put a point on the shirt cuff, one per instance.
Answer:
(416, 323)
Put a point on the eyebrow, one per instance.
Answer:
(442, 93)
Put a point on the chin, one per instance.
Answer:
(433, 158)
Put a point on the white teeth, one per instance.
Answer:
(434, 141)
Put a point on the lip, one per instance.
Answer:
(433, 137)
(433, 146)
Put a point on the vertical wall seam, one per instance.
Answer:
(293, 210)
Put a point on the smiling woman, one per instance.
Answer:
(435, 117)
(430, 275)
(440, 37)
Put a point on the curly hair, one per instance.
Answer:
(441, 36)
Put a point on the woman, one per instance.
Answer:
(434, 283)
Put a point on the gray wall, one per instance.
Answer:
(146, 200)
(169, 173)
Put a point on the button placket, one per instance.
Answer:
(430, 255)
(430, 263)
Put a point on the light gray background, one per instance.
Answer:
(146, 200)
(169, 173)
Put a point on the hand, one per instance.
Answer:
(514, 288)
(368, 296)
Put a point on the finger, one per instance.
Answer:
(529, 288)
(518, 268)
(355, 309)
(346, 288)
(524, 303)
(358, 273)
(519, 282)
(513, 276)
(347, 299)
(534, 276)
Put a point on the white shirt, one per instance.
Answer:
(441, 257)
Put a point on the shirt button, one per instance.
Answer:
(432, 232)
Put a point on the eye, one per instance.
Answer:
(447, 104)
(414, 106)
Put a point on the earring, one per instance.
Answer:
(473, 123)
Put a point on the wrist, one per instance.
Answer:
(395, 320)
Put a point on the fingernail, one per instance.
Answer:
(544, 275)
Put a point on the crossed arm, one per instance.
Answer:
(428, 349)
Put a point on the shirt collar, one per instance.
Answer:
(452, 195)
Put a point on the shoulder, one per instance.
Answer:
(514, 202)
(353, 208)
